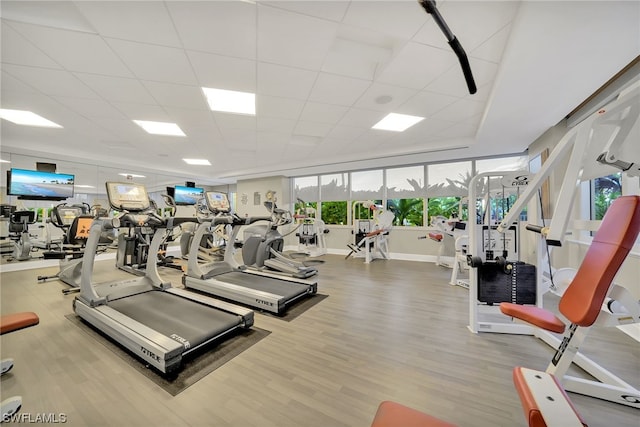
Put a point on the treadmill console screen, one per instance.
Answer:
(217, 202)
(127, 196)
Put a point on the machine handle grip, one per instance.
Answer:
(538, 229)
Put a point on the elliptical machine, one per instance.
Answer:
(19, 223)
(75, 222)
(262, 249)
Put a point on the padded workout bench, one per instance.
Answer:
(544, 402)
(11, 323)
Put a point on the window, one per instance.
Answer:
(604, 191)
(502, 164)
(408, 212)
(334, 186)
(334, 212)
(306, 188)
(448, 184)
(405, 195)
(447, 207)
(366, 185)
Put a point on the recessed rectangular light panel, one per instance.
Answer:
(230, 101)
(397, 122)
(197, 162)
(160, 128)
(27, 118)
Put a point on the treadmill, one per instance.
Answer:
(223, 280)
(158, 323)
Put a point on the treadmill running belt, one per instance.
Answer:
(170, 314)
(283, 288)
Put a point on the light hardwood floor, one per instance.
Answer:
(389, 330)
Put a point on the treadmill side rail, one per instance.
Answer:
(245, 313)
(155, 348)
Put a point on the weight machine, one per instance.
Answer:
(371, 235)
(610, 137)
(311, 231)
(497, 273)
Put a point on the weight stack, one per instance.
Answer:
(497, 284)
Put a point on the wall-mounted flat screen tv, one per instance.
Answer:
(187, 195)
(37, 185)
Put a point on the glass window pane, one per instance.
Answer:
(448, 207)
(405, 182)
(366, 185)
(500, 164)
(334, 186)
(449, 179)
(408, 212)
(604, 191)
(363, 210)
(306, 188)
(334, 212)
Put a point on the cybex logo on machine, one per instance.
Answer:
(263, 302)
(518, 179)
(150, 353)
(181, 340)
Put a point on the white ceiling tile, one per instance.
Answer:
(224, 72)
(51, 82)
(142, 112)
(141, 21)
(401, 19)
(425, 104)
(173, 95)
(117, 89)
(427, 129)
(11, 84)
(460, 130)
(75, 51)
(460, 110)
(331, 10)
(360, 118)
(345, 133)
(91, 108)
(338, 90)
(416, 65)
(156, 63)
(53, 14)
(273, 106)
(287, 82)
(222, 27)
(347, 65)
(376, 97)
(312, 128)
(273, 124)
(188, 116)
(493, 48)
(323, 113)
(17, 50)
(306, 50)
(235, 121)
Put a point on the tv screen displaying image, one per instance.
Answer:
(187, 195)
(36, 184)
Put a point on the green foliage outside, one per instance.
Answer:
(606, 190)
(408, 212)
(301, 208)
(334, 212)
(444, 206)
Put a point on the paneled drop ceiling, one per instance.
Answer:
(324, 72)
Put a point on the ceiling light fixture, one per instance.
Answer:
(199, 162)
(397, 122)
(131, 175)
(27, 118)
(4, 161)
(160, 128)
(83, 186)
(230, 101)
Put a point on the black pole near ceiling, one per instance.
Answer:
(430, 7)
